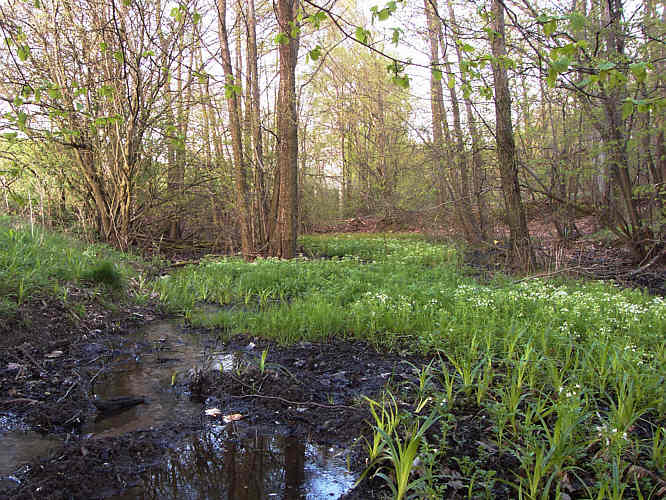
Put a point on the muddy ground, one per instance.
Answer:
(51, 360)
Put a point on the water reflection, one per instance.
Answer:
(18, 447)
(214, 465)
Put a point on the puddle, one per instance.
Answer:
(152, 376)
(214, 465)
(18, 448)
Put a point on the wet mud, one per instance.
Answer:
(150, 409)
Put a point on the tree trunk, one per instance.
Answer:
(520, 247)
(240, 170)
(283, 238)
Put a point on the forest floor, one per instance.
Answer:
(295, 410)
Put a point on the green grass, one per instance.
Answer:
(567, 372)
(34, 261)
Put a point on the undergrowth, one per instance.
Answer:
(566, 378)
(38, 262)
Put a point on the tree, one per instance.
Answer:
(519, 238)
(232, 92)
(284, 230)
(90, 76)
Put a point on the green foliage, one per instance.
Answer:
(104, 273)
(34, 261)
(563, 370)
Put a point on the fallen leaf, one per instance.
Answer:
(232, 418)
(54, 354)
(216, 412)
(213, 412)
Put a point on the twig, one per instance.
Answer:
(92, 380)
(545, 275)
(29, 356)
(61, 399)
(19, 400)
(296, 403)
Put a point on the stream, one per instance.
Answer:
(232, 460)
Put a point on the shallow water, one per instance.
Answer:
(19, 447)
(218, 462)
(215, 465)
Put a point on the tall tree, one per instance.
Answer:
(232, 92)
(519, 238)
(285, 229)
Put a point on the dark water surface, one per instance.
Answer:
(218, 463)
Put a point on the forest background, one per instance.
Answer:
(236, 126)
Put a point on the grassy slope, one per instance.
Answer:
(37, 262)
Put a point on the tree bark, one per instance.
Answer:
(240, 168)
(285, 232)
(520, 247)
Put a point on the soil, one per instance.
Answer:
(50, 357)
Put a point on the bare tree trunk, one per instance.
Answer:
(283, 238)
(440, 128)
(521, 249)
(240, 170)
(477, 162)
(254, 107)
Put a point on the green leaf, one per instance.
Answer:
(561, 65)
(281, 39)
(551, 80)
(315, 53)
(396, 36)
(196, 17)
(21, 118)
(627, 109)
(105, 91)
(549, 27)
(149, 53)
(576, 21)
(466, 47)
(639, 70)
(231, 90)
(118, 56)
(401, 81)
(362, 35)
(437, 74)
(316, 19)
(452, 81)
(23, 52)
(294, 29)
(606, 66)
(466, 90)
(103, 46)
(54, 93)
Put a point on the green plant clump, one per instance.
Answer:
(104, 273)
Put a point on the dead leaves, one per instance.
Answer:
(217, 413)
